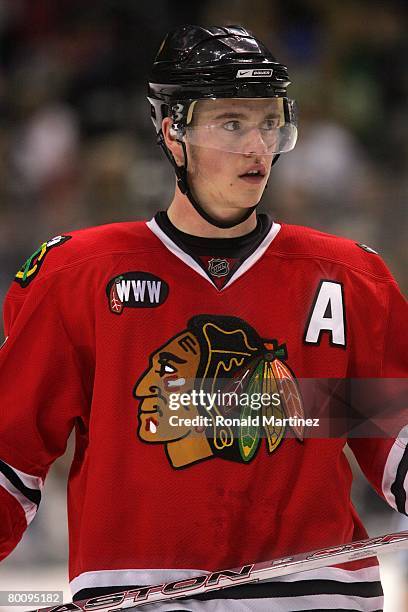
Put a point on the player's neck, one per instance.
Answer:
(184, 217)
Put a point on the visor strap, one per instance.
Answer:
(181, 171)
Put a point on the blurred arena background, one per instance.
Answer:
(77, 148)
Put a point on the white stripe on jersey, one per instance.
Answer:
(30, 481)
(277, 604)
(189, 261)
(257, 254)
(391, 466)
(103, 578)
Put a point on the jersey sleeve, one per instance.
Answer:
(384, 460)
(42, 396)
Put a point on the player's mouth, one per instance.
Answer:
(254, 175)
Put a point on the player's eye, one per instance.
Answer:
(270, 124)
(232, 126)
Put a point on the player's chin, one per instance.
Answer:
(249, 194)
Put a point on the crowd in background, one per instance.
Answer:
(77, 146)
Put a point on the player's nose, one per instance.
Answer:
(255, 143)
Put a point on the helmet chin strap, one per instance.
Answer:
(184, 187)
(182, 182)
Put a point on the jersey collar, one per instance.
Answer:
(193, 261)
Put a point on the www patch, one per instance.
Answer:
(136, 290)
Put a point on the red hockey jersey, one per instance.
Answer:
(104, 324)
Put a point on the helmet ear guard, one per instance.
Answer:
(181, 171)
(158, 111)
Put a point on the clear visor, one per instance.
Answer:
(264, 126)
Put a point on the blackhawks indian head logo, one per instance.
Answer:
(197, 395)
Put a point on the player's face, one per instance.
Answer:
(172, 370)
(230, 151)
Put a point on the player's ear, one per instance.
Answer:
(171, 142)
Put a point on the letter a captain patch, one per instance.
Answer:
(327, 315)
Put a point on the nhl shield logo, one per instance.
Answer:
(218, 267)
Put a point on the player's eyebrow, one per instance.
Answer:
(230, 115)
(235, 115)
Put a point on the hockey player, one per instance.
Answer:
(108, 326)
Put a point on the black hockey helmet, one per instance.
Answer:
(198, 63)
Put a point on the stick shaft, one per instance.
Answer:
(250, 573)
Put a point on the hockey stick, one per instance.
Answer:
(254, 572)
